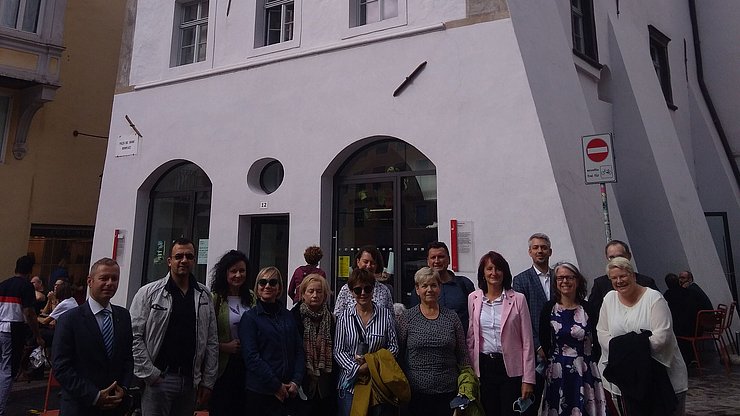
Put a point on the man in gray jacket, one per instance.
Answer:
(175, 338)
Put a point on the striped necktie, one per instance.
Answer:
(108, 331)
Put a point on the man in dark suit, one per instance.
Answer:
(686, 278)
(534, 283)
(602, 284)
(92, 354)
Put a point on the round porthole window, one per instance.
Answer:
(271, 176)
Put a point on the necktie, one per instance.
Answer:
(108, 331)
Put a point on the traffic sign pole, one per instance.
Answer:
(605, 210)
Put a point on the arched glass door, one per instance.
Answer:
(386, 196)
(180, 206)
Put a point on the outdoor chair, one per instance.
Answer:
(709, 326)
(727, 330)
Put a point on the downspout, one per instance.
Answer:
(705, 92)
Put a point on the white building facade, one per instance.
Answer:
(269, 126)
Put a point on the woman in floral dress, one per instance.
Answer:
(568, 339)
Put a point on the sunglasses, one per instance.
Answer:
(360, 290)
(179, 256)
(265, 282)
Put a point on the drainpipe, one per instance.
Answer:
(705, 92)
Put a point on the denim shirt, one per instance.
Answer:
(272, 348)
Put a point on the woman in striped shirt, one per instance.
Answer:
(362, 329)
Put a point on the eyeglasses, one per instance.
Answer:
(179, 256)
(360, 290)
(564, 278)
(265, 282)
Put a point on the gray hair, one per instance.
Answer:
(620, 263)
(424, 274)
(541, 236)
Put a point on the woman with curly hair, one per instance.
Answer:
(231, 298)
(313, 256)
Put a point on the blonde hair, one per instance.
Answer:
(424, 274)
(620, 263)
(315, 277)
(267, 273)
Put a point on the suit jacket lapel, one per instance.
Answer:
(538, 283)
(91, 323)
(508, 303)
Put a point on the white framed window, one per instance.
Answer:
(363, 12)
(20, 14)
(279, 21)
(4, 123)
(193, 32)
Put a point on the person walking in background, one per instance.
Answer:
(231, 299)
(313, 256)
(569, 342)
(317, 325)
(175, 338)
(500, 338)
(92, 357)
(534, 283)
(272, 349)
(433, 348)
(16, 306)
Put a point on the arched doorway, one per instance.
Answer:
(386, 195)
(179, 206)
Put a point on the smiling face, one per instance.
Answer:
(438, 260)
(363, 293)
(269, 285)
(566, 282)
(367, 262)
(103, 283)
(494, 277)
(622, 280)
(236, 276)
(314, 296)
(540, 252)
(181, 260)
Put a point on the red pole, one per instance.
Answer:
(453, 244)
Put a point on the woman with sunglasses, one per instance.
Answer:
(231, 299)
(361, 329)
(272, 349)
(433, 347)
(569, 341)
(316, 324)
(500, 339)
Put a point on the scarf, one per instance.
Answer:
(317, 340)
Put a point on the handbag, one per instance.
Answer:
(37, 359)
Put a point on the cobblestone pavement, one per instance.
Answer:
(714, 393)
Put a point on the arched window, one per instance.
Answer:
(179, 206)
(386, 196)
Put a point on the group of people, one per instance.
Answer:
(530, 343)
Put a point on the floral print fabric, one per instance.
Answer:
(573, 383)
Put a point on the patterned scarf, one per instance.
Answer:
(317, 340)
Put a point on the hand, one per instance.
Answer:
(40, 341)
(51, 296)
(231, 347)
(360, 359)
(527, 390)
(204, 394)
(110, 397)
(282, 393)
(363, 370)
(292, 389)
(541, 354)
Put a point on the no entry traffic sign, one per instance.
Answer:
(598, 158)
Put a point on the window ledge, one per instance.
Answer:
(587, 65)
(275, 47)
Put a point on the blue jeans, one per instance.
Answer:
(344, 402)
(171, 395)
(6, 377)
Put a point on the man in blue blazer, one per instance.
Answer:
(534, 283)
(92, 354)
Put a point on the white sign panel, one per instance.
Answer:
(465, 253)
(203, 251)
(127, 145)
(598, 159)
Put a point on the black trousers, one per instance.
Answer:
(431, 404)
(498, 391)
(228, 392)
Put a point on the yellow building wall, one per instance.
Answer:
(58, 181)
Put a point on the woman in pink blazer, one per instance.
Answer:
(500, 338)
